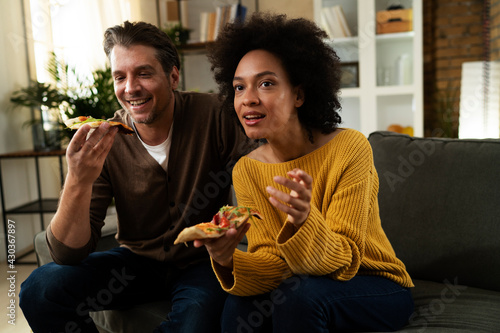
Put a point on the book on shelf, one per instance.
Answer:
(212, 17)
(203, 26)
(333, 21)
(213, 22)
(177, 11)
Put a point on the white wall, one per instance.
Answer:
(18, 175)
(144, 10)
(13, 70)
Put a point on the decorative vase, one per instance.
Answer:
(46, 131)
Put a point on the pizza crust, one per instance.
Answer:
(207, 230)
(195, 232)
(93, 124)
(76, 123)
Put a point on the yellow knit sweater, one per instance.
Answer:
(342, 236)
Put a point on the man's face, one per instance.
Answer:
(142, 87)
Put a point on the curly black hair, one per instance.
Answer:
(300, 45)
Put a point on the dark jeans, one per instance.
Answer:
(58, 298)
(320, 304)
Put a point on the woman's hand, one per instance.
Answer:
(222, 249)
(297, 203)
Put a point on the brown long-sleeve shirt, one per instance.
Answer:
(152, 205)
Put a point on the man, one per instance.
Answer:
(172, 173)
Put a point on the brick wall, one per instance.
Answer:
(453, 34)
(495, 30)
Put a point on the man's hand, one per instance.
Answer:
(222, 249)
(71, 223)
(297, 203)
(86, 156)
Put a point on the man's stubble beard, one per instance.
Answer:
(153, 115)
(150, 119)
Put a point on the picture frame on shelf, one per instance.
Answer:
(350, 75)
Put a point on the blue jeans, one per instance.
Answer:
(58, 298)
(320, 304)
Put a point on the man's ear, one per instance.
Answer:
(299, 96)
(174, 77)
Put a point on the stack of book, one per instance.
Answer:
(333, 21)
(213, 22)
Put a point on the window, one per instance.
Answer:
(73, 30)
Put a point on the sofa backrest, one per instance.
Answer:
(440, 206)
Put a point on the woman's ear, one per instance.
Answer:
(299, 96)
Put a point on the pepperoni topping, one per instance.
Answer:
(224, 222)
(216, 219)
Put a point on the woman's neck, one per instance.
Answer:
(292, 148)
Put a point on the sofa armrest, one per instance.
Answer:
(106, 242)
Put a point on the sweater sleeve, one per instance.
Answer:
(62, 254)
(332, 239)
(262, 268)
(101, 198)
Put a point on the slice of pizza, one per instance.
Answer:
(76, 123)
(226, 217)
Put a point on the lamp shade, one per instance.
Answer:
(480, 100)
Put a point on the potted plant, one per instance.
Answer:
(177, 33)
(44, 101)
(90, 96)
(95, 98)
(53, 104)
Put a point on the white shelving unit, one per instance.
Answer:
(380, 99)
(196, 74)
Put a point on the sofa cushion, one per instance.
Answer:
(146, 316)
(440, 206)
(450, 307)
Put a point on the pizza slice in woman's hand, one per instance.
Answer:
(226, 217)
(76, 123)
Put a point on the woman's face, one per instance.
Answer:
(265, 101)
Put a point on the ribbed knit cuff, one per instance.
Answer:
(224, 275)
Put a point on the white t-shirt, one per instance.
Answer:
(159, 152)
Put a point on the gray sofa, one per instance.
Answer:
(440, 207)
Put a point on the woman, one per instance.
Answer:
(319, 260)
